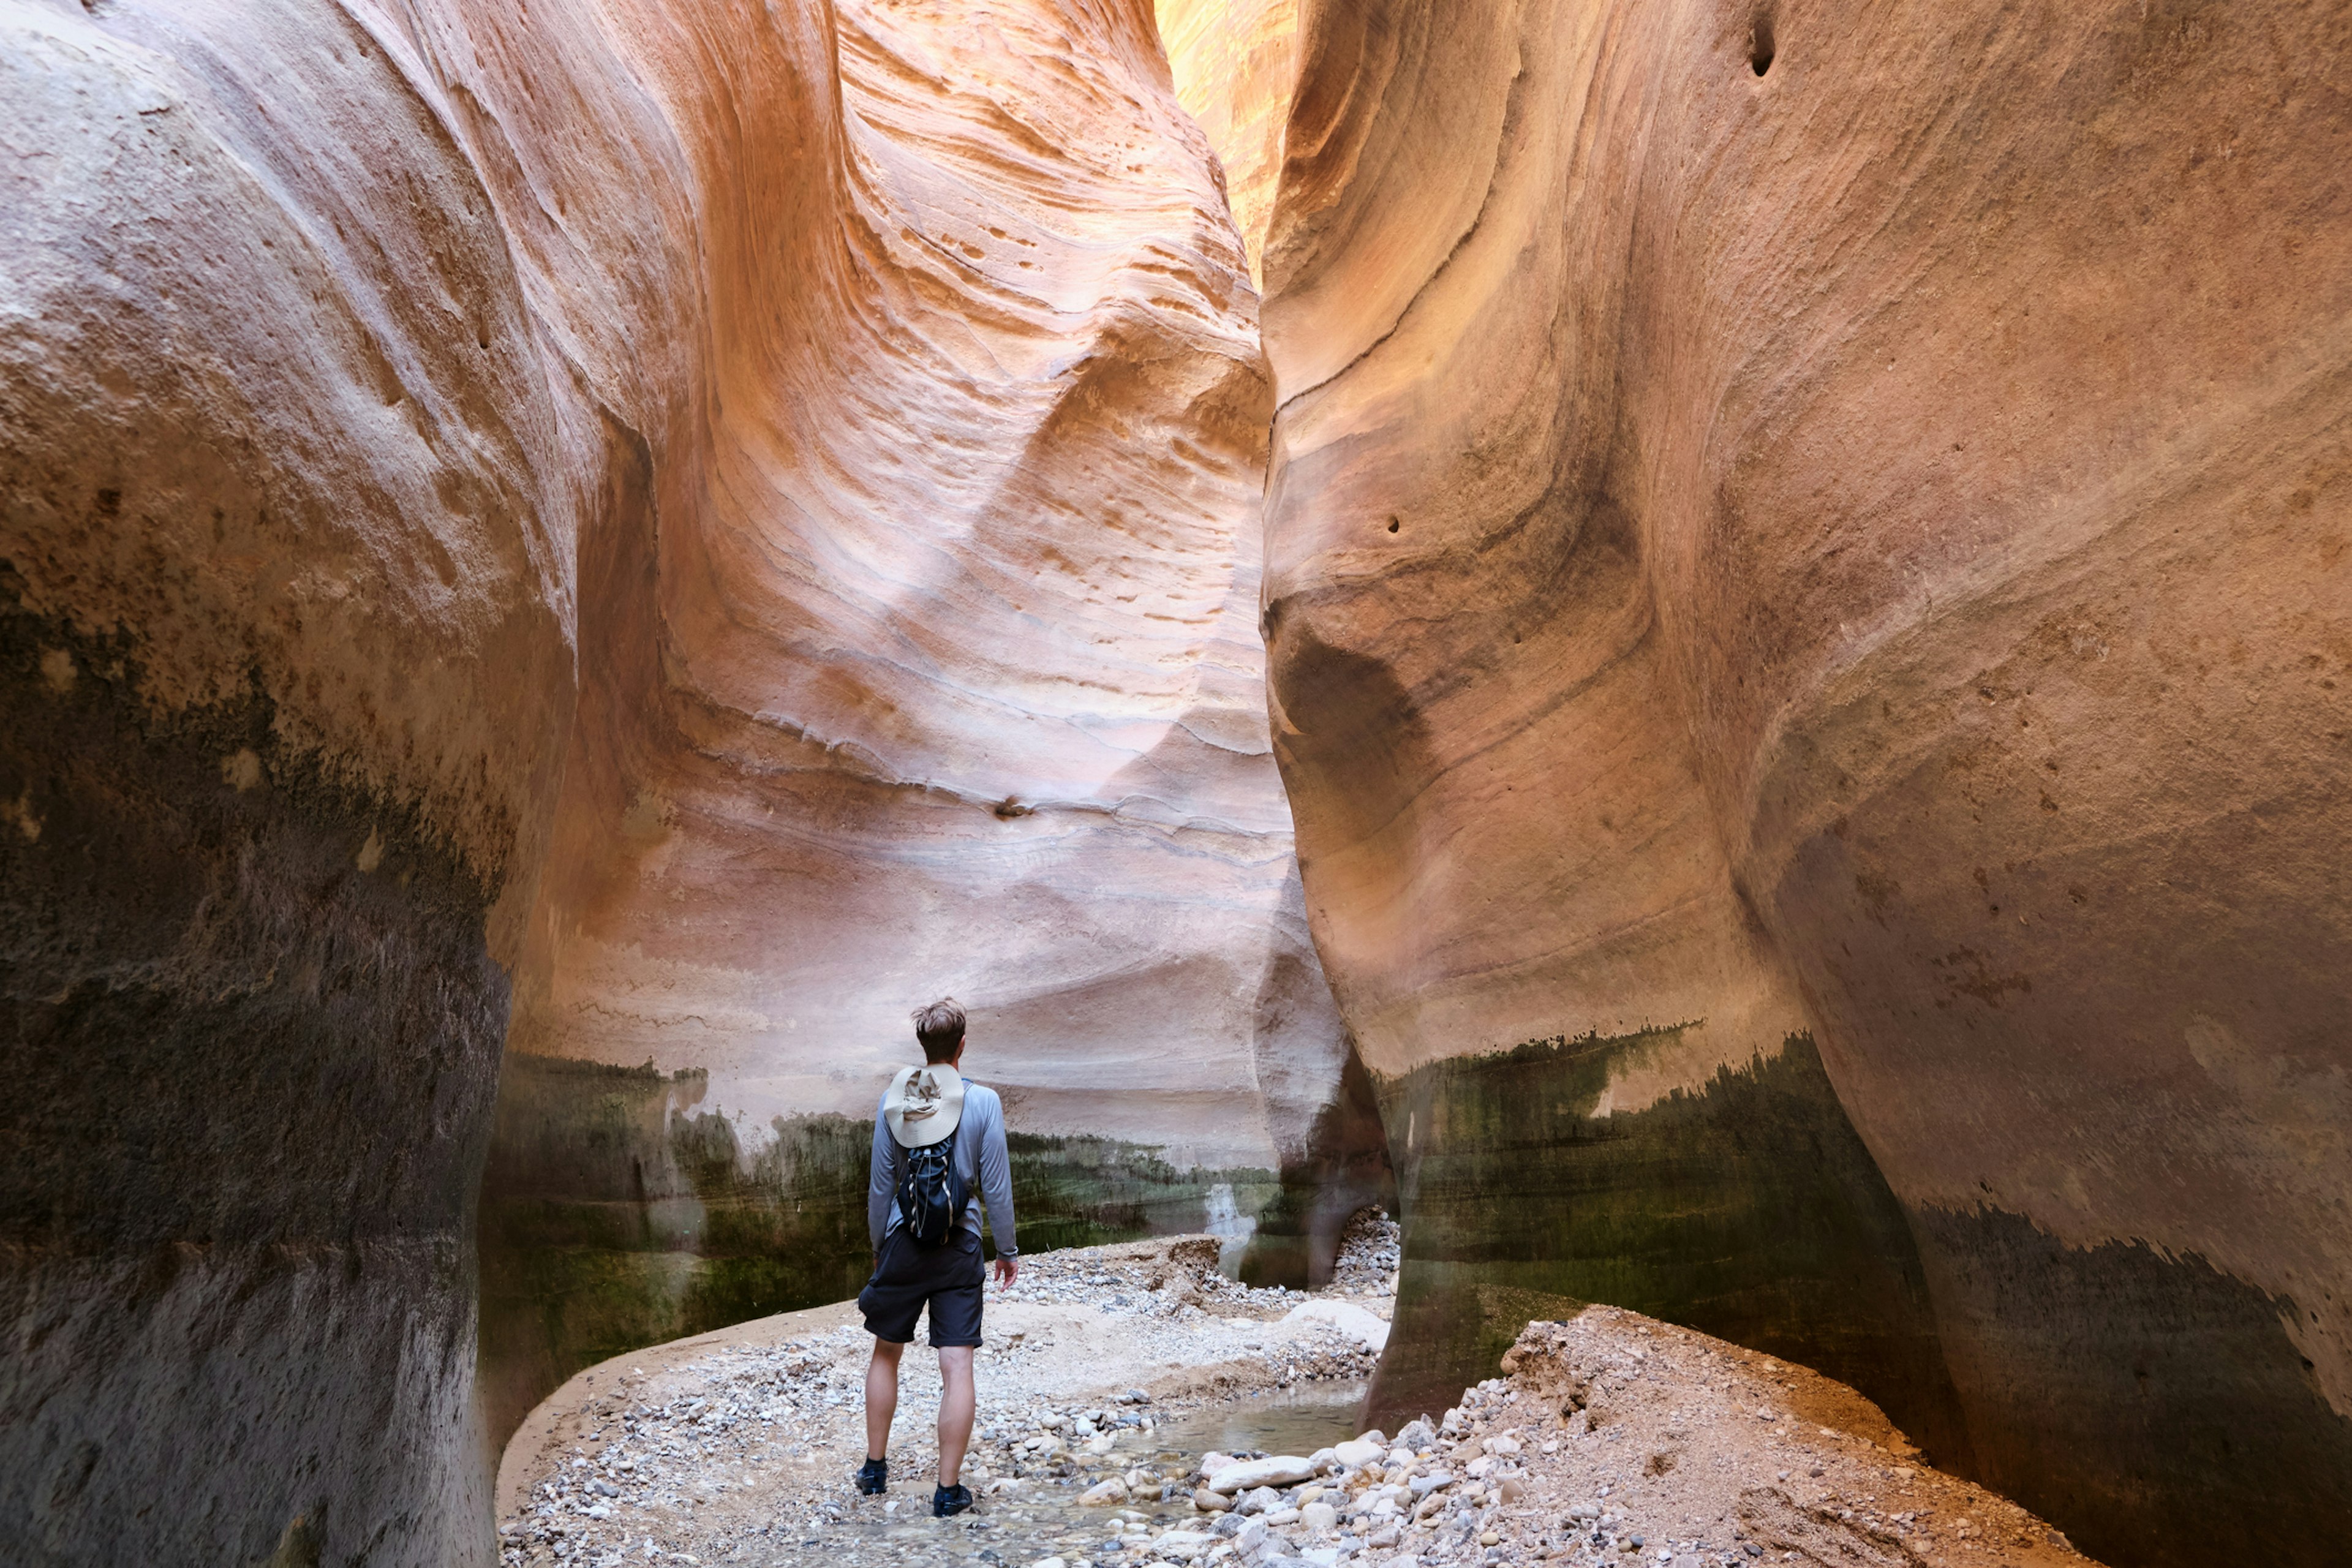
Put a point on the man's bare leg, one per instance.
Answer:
(957, 1403)
(882, 1397)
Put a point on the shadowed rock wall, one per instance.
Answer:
(286, 511)
(1796, 523)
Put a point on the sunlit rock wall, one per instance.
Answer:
(930, 666)
(1235, 63)
(1807, 594)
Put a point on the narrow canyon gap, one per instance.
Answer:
(926, 663)
(562, 564)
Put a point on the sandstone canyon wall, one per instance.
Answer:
(288, 495)
(1806, 608)
(856, 413)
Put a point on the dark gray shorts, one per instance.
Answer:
(950, 1277)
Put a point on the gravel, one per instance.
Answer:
(1612, 1440)
(737, 1446)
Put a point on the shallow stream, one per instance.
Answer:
(1045, 1520)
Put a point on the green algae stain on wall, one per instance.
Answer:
(1089, 1192)
(1747, 1208)
(616, 1212)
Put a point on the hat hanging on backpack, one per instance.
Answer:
(924, 1104)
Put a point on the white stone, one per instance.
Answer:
(1319, 1517)
(1357, 1453)
(1281, 1470)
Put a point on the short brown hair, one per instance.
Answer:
(941, 1028)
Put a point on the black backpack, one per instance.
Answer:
(931, 1193)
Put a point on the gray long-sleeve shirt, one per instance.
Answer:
(980, 1159)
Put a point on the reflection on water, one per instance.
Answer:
(1232, 1227)
(1296, 1420)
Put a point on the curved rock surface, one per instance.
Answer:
(933, 667)
(1807, 550)
(859, 408)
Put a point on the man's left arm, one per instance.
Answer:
(997, 1192)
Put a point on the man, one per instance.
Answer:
(922, 1108)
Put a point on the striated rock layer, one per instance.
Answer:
(1807, 583)
(857, 412)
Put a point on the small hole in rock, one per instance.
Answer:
(1759, 42)
(1393, 525)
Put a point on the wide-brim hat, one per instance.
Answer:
(924, 1104)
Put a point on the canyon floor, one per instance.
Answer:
(1119, 1383)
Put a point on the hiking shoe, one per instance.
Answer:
(949, 1501)
(874, 1476)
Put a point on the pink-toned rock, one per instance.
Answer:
(932, 665)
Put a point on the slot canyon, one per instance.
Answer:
(1705, 646)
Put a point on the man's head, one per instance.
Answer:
(941, 1028)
